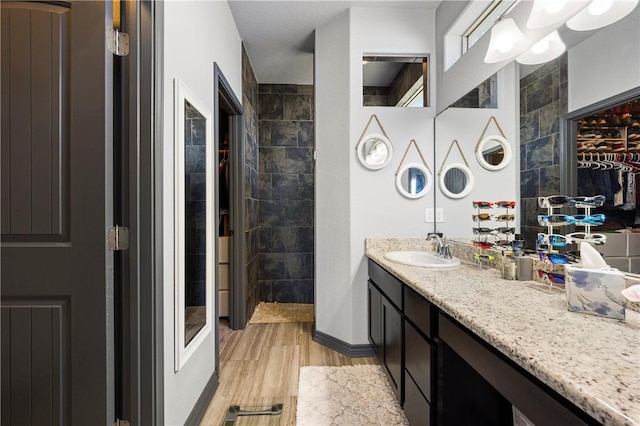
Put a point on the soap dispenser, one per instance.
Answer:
(509, 269)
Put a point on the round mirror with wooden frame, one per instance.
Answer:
(374, 151)
(456, 180)
(493, 152)
(414, 180)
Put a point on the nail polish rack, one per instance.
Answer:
(550, 227)
(548, 248)
(587, 212)
(482, 256)
(508, 210)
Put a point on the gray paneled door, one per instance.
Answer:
(57, 275)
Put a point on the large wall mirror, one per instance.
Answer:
(547, 150)
(494, 176)
(605, 138)
(193, 222)
(397, 81)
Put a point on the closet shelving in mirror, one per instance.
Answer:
(609, 133)
(602, 139)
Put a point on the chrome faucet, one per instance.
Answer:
(443, 248)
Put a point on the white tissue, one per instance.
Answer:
(632, 293)
(590, 257)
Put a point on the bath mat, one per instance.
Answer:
(349, 395)
(282, 312)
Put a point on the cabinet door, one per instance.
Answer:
(418, 359)
(392, 341)
(416, 407)
(375, 318)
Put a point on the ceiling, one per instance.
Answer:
(279, 35)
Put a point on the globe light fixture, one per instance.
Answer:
(549, 12)
(543, 51)
(506, 42)
(601, 13)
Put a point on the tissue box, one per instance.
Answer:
(595, 291)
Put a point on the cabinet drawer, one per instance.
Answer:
(416, 407)
(392, 345)
(418, 310)
(375, 317)
(390, 285)
(418, 358)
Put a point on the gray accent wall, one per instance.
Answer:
(250, 105)
(286, 189)
(543, 101)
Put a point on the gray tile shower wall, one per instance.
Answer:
(286, 193)
(195, 195)
(250, 106)
(543, 101)
(485, 95)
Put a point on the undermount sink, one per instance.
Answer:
(425, 259)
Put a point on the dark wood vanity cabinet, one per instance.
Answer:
(419, 359)
(443, 374)
(400, 327)
(385, 323)
(493, 385)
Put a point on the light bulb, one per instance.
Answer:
(598, 7)
(601, 13)
(555, 6)
(504, 45)
(545, 50)
(545, 13)
(506, 41)
(540, 47)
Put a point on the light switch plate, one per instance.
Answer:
(428, 216)
(439, 215)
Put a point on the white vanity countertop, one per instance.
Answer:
(592, 361)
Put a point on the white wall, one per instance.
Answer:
(196, 34)
(333, 293)
(605, 64)
(352, 202)
(466, 125)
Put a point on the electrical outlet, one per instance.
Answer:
(439, 215)
(428, 216)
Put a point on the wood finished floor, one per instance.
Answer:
(259, 367)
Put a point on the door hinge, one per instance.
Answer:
(121, 422)
(117, 238)
(117, 42)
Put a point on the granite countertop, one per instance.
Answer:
(592, 361)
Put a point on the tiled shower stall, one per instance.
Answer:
(279, 190)
(286, 189)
